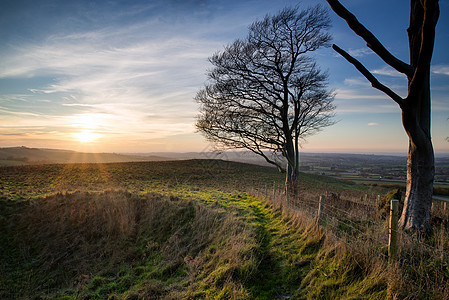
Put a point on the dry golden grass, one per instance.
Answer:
(78, 235)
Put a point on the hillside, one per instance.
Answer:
(23, 156)
(374, 169)
(199, 229)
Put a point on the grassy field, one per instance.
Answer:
(198, 229)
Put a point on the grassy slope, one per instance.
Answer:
(182, 230)
(29, 182)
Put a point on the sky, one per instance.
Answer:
(120, 76)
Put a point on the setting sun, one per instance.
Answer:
(87, 124)
(86, 136)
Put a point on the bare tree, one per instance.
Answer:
(265, 93)
(415, 107)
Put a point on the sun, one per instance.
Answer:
(86, 136)
(87, 126)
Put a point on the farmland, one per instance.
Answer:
(375, 169)
(195, 229)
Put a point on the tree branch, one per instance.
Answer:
(270, 161)
(371, 41)
(374, 82)
(431, 15)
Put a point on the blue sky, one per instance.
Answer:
(120, 76)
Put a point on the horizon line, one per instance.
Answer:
(332, 151)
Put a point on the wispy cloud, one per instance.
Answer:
(357, 94)
(387, 71)
(129, 83)
(440, 69)
(360, 52)
(363, 100)
(373, 124)
(359, 81)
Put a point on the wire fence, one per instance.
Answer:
(361, 222)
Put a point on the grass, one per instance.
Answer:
(197, 230)
(114, 243)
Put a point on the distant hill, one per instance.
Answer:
(309, 161)
(23, 156)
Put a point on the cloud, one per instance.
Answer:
(93, 73)
(359, 81)
(440, 69)
(373, 124)
(359, 94)
(387, 71)
(363, 100)
(439, 103)
(4, 111)
(360, 52)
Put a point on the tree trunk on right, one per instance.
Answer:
(415, 107)
(420, 174)
(416, 115)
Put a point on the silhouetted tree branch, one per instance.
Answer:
(265, 93)
(371, 41)
(374, 82)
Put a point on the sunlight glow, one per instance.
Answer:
(87, 124)
(87, 121)
(86, 136)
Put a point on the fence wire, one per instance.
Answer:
(351, 220)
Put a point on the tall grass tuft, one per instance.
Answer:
(117, 243)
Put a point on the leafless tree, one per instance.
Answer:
(415, 107)
(265, 92)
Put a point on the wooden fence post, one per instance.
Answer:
(320, 208)
(393, 230)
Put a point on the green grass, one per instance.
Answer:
(179, 230)
(116, 243)
(30, 182)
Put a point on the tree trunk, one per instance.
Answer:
(292, 167)
(291, 176)
(420, 161)
(296, 155)
(290, 154)
(419, 190)
(416, 115)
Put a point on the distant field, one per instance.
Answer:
(7, 163)
(28, 182)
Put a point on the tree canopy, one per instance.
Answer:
(265, 92)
